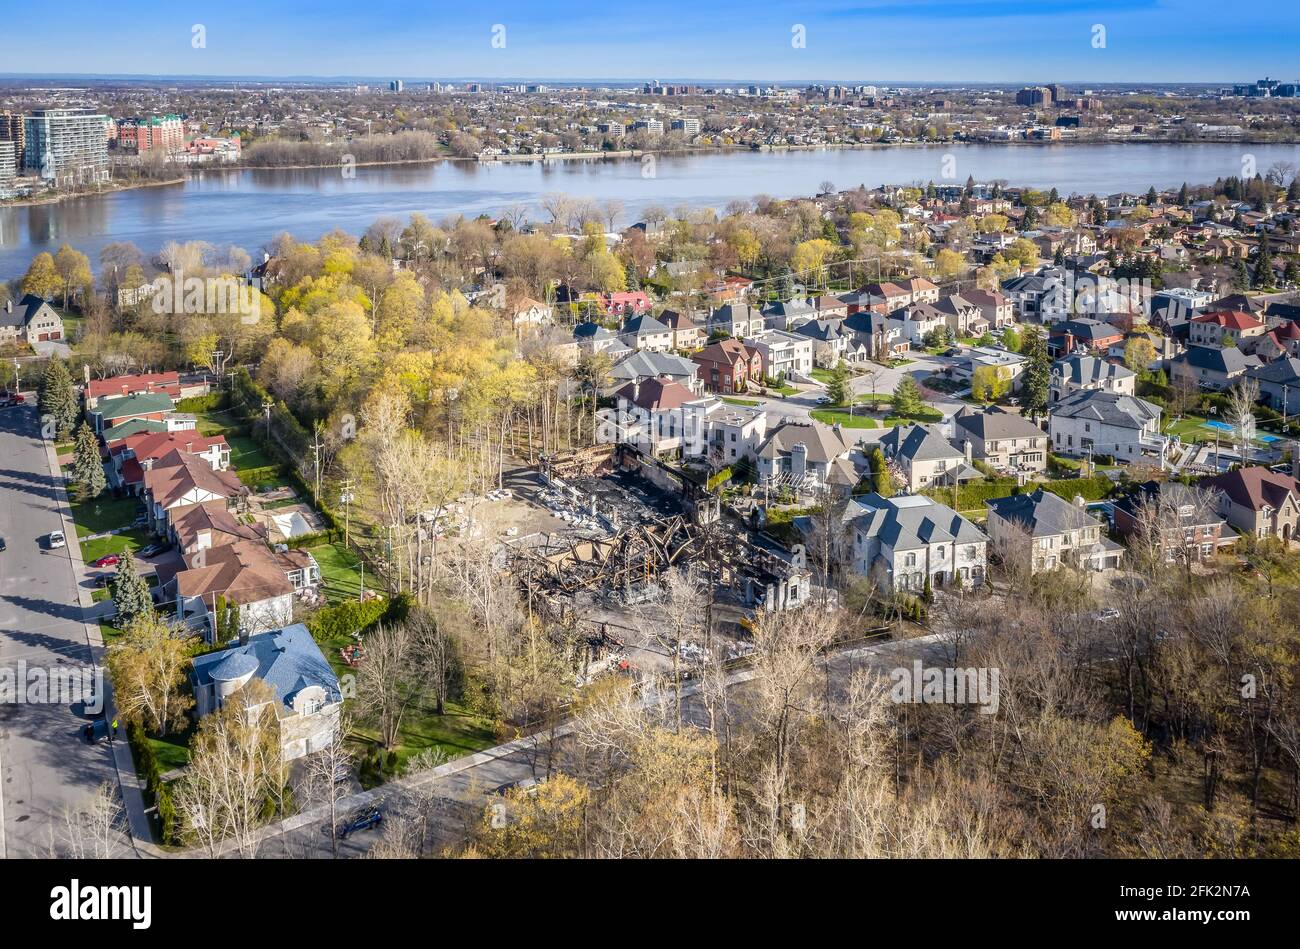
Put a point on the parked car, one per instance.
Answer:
(108, 560)
(57, 540)
(3, 547)
(153, 550)
(11, 398)
(95, 731)
(526, 785)
(364, 820)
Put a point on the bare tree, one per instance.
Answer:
(1241, 414)
(326, 776)
(94, 831)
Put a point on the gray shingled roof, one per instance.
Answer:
(917, 442)
(995, 423)
(1126, 411)
(913, 520)
(286, 659)
(1087, 370)
(1041, 513)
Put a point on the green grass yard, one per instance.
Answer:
(133, 539)
(338, 569)
(104, 513)
(842, 417)
(734, 401)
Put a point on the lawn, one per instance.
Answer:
(134, 539)
(173, 751)
(338, 570)
(457, 733)
(104, 513)
(822, 375)
(245, 453)
(782, 390)
(842, 417)
(733, 401)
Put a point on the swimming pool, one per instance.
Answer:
(1225, 427)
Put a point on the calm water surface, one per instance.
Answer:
(248, 207)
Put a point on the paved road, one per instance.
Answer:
(884, 380)
(45, 767)
(451, 803)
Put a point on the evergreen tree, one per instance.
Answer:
(1240, 277)
(838, 390)
(58, 399)
(1182, 195)
(1152, 197)
(1263, 265)
(1037, 373)
(87, 466)
(1292, 273)
(907, 399)
(129, 590)
(1293, 190)
(881, 482)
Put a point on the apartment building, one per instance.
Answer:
(67, 146)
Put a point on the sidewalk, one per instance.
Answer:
(128, 782)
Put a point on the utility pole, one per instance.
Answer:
(266, 410)
(346, 499)
(315, 451)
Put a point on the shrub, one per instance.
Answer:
(334, 622)
(212, 402)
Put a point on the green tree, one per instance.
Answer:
(907, 399)
(58, 399)
(87, 466)
(1011, 339)
(838, 389)
(129, 590)
(1263, 266)
(881, 481)
(1038, 372)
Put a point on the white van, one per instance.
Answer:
(57, 540)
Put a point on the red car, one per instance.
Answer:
(108, 560)
(11, 398)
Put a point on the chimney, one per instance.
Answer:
(9, 306)
(967, 449)
(1079, 502)
(799, 459)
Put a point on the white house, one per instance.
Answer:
(903, 541)
(1093, 422)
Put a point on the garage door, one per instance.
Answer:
(43, 337)
(56, 336)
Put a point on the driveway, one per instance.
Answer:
(45, 767)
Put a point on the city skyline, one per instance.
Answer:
(947, 41)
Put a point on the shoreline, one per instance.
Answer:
(103, 192)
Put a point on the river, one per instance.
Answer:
(247, 207)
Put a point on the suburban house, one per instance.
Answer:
(594, 338)
(722, 434)
(527, 312)
(112, 412)
(1092, 422)
(1006, 365)
(30, 320)
(903, 541)
(135, 454)
(257, 581)
(790, 313)
(648, 364)
(920, 289)
(1082, 333)
(1223, 328)
(784, 355)
(738, 320)
(1186, 520)
(625, 303)
(644, 332)
(891, 296)
(1282, 340)
(1061, 533)
(883, 337)
(687, 334)
(830, 344)
(1211, 367)
(650, 415)
(1005, 440)
(728, 366)
(1080, 372)
(805, 455)
(1258, 502)
(922, 457)
(171, 422)
(166, 383)
(1279, 384)
(307, 694)
(997, 310)
(918, 320)
(210, 524)
(178, 480)
(963, 317)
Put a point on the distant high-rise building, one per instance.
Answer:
(67, 146)
(8, 163)
(1034, 95)
(163, 133)
(395, 86)
(689, 126)
(12, 129)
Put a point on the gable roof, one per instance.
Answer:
(1085, 369)
(824, 444)
(1228, 319)
(645, 325)
(658, 394)
(125, 385)
(146, 445)
(638, 365)
(177, 473)
(138, 403)
(213, 516)
(1110, 408)
(729, 351)
(243, 572)
(910, 521)
(1256, 488)
(1229, 359)
(24, 311)
(1041, 513)
(917, 442)
(995, 423)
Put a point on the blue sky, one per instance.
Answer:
(867, 40)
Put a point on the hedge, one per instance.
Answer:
(335, 622)
(212, 402)
(155, 786)
(264, 473)
(972, 496)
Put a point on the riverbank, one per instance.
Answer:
(57, 197)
